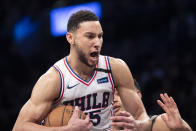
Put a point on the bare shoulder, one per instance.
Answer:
(116, 62)
(159, 125)
(47, 87)
(121, 72)
(118, 66)
(44, 92)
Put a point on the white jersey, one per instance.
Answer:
(94, 97)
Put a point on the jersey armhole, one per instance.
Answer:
(111, 70)
(110, 73)
(56, 100)
(153, 118)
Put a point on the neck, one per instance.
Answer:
(79, 67)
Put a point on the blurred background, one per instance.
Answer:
(156, 38)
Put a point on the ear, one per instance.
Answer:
(69, 37)
(139, 94)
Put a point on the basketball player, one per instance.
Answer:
(169, 121)
(85, 79)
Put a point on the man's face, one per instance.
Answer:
(88, 42)
(118, 106)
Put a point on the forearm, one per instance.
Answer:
(29, 126)
(184, 127)
(136, 108)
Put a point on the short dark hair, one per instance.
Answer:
(79, 17)
(136, 84)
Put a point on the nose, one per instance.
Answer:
(115, 99)
(98, 42)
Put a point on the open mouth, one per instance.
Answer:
(94, 54)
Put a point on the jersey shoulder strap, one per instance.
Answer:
(153, 118)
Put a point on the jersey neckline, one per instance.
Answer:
(73, 73)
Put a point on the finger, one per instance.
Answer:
(173, 102)
(166, 96)
(122, 119)
(164, 118)
(163, 106)
(87, 118)
(163, 98)
(168, 100)
(160, 103)
(89, 122)
(175, 107)
(90, 125)
(123, 124)
(124, 113)
(76, 112)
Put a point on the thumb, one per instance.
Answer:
(76, 112)
(87, 118)
(164, 118)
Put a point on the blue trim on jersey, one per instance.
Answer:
(61, 83)
(111, 71)
(77, 75)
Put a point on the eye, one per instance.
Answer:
(90, 36)
(100, 36)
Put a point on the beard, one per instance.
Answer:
(82, 57)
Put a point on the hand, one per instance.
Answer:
(124, 120)
(172, 116)
(78, 124)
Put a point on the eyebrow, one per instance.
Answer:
(93, 33)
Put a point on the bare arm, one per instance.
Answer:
(125, 86)
(37, 107)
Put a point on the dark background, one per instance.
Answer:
(156, 38)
